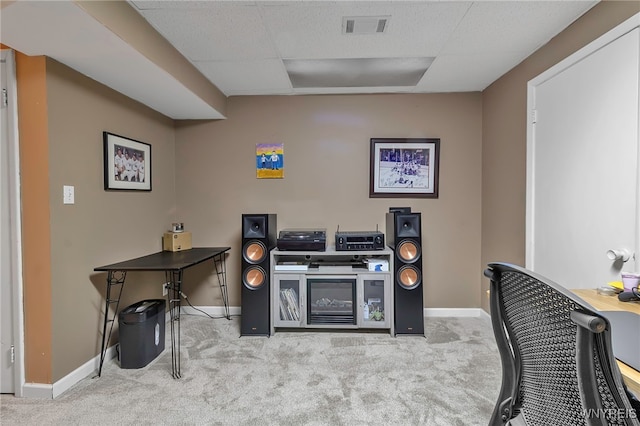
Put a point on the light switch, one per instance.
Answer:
(68, 196)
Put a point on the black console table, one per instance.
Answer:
(173, 264)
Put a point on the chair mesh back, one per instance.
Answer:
(537, 317)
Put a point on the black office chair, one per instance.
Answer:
(557, 364)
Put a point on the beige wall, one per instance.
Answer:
(326, 183)
(102, 227)
(504, 128)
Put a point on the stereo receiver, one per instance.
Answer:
(359, 240)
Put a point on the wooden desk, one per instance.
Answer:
(173, 264)
(611, 303)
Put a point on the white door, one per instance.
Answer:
(582, 158)
(6, 286)
(11, 313)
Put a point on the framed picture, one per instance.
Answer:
(127, 163)
(270, 160)
(404, 168)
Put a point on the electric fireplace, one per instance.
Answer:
(331, 300)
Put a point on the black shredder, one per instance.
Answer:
(141, 333)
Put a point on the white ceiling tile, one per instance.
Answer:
(507, 26)
(314, 31)
(219, 31)
(177, 4)
(261, 76)
(451, 73)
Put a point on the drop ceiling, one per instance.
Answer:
(295, 47)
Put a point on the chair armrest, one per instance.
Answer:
(590, 322)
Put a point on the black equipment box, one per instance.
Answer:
(302, 239)
(141, 333)
(359, 240)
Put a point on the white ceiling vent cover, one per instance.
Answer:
(365, 24)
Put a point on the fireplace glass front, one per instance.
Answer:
(331, 300)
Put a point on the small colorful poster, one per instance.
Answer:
(270, 160)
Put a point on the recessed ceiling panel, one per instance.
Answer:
(360, 72)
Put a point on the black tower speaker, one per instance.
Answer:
(404, 238)
(259, 236)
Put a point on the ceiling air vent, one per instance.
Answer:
(365, 24)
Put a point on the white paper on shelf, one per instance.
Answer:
(291, 266)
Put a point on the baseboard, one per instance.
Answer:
(455, 312)
(87, 369)
(214, 311)
(37, 391)
(50, 391)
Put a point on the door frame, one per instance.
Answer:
(615, 33)
(16, 222)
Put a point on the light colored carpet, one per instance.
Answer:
(449, 377)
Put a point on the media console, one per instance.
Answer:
(332, 289)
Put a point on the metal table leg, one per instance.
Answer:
(113, 278)
(174, 278)
(221, 272)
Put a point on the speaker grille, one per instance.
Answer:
(254, 251)
(254, 277)
(408, 251)
(409, 277)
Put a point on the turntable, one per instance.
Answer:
(303, 239)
